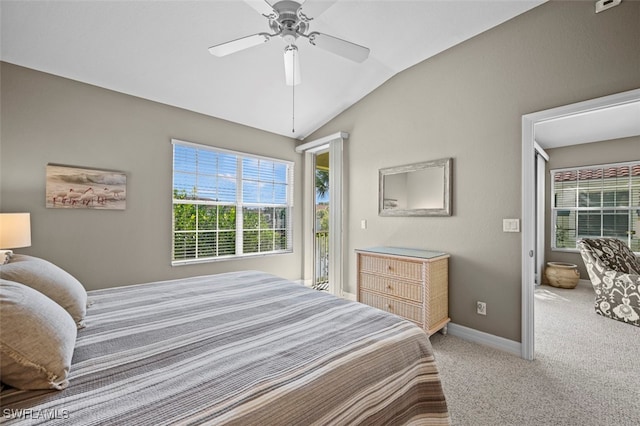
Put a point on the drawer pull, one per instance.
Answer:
(388, 306)
(388, 267)
(389, 287)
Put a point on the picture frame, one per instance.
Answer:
(71, 187)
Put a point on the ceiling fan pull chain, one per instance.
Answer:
(293, 98)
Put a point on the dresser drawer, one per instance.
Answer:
(391, 287)
(406, 310)
(410, 283)
(398, 268)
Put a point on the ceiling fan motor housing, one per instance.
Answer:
(288, 21)
(288, 24)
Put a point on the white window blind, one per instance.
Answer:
(594, 202)
(229, 204)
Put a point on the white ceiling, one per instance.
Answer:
(158, 50)
(601, 124)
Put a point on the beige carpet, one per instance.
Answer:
(586, 371)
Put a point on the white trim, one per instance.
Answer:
(585, 107)
(473, 335)
(309, 217)
(528, 202)
(334, 143)
(528, 238)
(320, 144)
(228, 151)
(238, 202)
(541, 165)
(597, 166)
(540, 151)
(183, 262)
(336, 218)
(485, 339)
(349, 296)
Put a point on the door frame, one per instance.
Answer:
(335, 144)
(542, 158)
(529, 237)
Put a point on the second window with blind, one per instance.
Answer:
(594, 202)
(229, 204)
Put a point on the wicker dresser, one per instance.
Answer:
(410, 283)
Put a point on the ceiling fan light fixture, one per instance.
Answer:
(292, 65)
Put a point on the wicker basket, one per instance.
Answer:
(561, 274)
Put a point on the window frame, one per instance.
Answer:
(239, 204)
(632, 229)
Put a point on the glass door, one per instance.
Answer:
(321, 223)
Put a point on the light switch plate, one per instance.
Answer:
(510, 225)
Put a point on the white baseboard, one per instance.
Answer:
(473, 335)
(491, 340)
(306, 283)
(486, 339)
(349, 296)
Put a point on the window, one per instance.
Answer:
(229, 204)
(596, 201)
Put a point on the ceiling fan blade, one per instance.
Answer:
(340, 47)
(237, 45)
(314, 8)
(292, 65)
(263, 7)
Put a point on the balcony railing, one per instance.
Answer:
(321, 281)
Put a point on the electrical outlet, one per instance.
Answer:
(602, 5)
(481, 308)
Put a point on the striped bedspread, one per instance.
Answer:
(242, 348)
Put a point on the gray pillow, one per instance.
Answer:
(49, 280)
(37, 339)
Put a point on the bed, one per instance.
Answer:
(238, 348)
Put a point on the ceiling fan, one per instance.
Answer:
(288, 21)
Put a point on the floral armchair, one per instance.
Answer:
(615, 275)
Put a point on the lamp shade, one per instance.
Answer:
(15, 230)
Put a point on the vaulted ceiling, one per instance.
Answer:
(158, 50)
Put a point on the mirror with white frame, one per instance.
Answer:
(420, 189)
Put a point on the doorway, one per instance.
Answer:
(333, 146)
(533, 125)
(321, 224)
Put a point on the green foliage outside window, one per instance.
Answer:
(202, 230)
(322, 219)
(322, 191)
(322, 182)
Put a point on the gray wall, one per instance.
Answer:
(619, 150)
(467, 103)
(48, 119)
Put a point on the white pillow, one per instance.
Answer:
(37, 339)
(50, 280)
